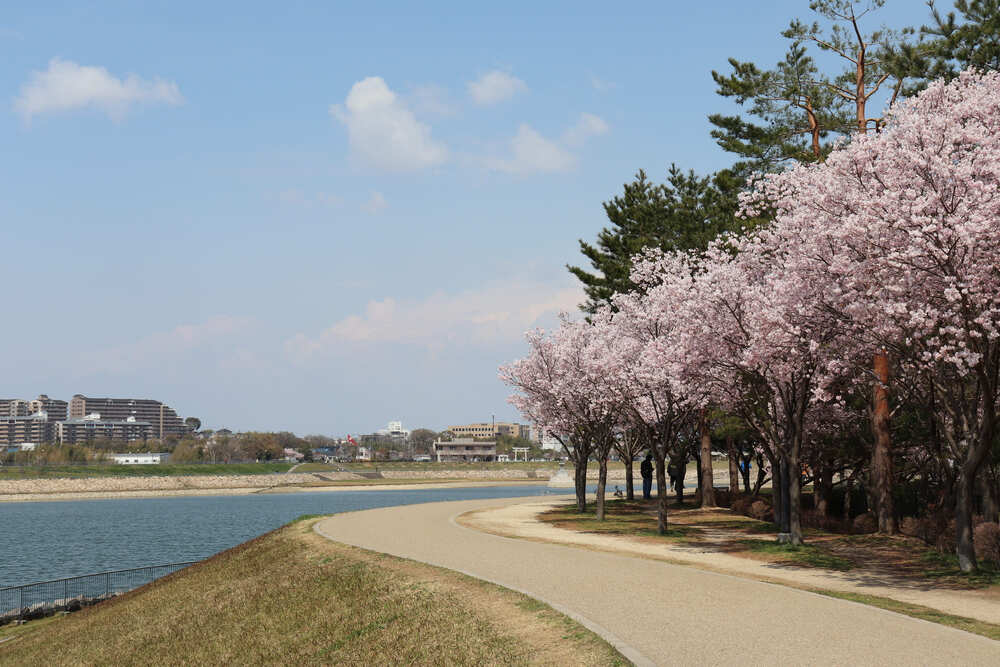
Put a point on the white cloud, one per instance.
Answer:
(587, 126)
(375, 203)
(533, 153)
(383, 131)
(66, 86)
(494, 87)
(499, 313)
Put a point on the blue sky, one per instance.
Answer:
(323, 216)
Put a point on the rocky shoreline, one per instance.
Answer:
(29, 490)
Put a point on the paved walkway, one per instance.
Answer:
(660, 613)
(521, 520)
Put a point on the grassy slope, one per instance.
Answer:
(291, 597)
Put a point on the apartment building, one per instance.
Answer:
(163, 420)
(26, 429)
(465, 449)
(490, 430)
(95, 427)
(19, 407)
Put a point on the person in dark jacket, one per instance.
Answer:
(646, 470)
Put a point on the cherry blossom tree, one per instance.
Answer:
(902, 227)
(560, 388)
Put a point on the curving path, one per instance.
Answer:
(660, 613)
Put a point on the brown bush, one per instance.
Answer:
(741, 504)
(912, 527)
(987, 541)
(813, 519)
(945, 539)
(865, 523)
(723, 498)
(761, 511)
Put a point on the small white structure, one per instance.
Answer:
(520, 453)
(503, 458)
(561, 479)
(145, 458)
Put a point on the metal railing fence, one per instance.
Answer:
(46, 597)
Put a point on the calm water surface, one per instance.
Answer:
(50, 540)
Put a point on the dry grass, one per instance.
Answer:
(292, 597)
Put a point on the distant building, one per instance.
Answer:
(147, 458)
(19, 407)
(95, 427)
(26, 430)
(465, 449)
(163, 420)
(393, 431)
(490, 430)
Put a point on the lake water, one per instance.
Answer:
(50, 540)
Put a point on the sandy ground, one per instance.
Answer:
(520, 520)
(654, 611)
(243, 491)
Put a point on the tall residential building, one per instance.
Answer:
(163, 420)
(94, 427)
(14, 407)
(490, 430)
(18, 430)
(56, 409)
(19, 407)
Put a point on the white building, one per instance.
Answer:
(145, 458)
(394, 430)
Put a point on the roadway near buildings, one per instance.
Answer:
(660, 613)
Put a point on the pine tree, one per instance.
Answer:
(684, 213)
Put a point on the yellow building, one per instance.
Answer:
(490, 430)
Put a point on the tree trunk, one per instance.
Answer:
(681, 470)
(662, 494)
(848, 492)
(987, 488)
(963, 523)
(707, 480)
(697, 475)
(602, 483)
(779, 497)
(882, 476)
(822, 487)
(581, 485)
(794, 498)
(734, 467)
(629, 483)
(777, 491)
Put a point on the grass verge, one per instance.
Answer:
(293, 597)
(944, 567)
(620, 518)
(804, 555)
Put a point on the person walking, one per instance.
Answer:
(646, 470)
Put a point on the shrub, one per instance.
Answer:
(987, 541)
(761, 511)
(741, 504)
(912, 527)
(723, 498)
(865, 523)
(813, 519)
(945, 540)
